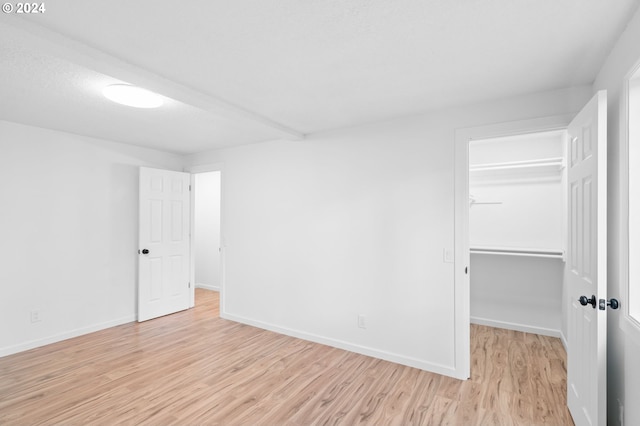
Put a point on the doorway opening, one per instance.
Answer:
(517, 236)
(584, 301)
(207, 264)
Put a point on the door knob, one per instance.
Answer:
(584, 301)
(145, 251)
(612, 302)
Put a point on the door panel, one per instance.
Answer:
(586, 273)
(163, 285)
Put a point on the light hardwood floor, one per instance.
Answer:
(195, 368)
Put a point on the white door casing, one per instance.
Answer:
(462, 257)
(586, 269)
(163, 272)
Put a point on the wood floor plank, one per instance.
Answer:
(195, 368)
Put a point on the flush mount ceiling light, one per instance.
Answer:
(132, 96)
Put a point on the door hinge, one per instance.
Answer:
(189, 285)
(189, 187)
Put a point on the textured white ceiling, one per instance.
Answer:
(39, 89)
(292, 66)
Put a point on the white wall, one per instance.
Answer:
(69, 221)
(634, 188)
(532, 211)
(623, 353)
(352, 222)
(207, 230)
(517, 293)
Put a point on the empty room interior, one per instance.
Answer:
(323, 212)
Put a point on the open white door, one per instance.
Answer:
(163, 265)
(586, 272)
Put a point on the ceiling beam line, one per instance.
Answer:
(95, 59)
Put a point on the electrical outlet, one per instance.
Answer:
(35, 316)
(361, 321)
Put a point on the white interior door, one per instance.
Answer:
(586, 271)
(163, 265)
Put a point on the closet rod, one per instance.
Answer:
(472, 201)
(556, 254)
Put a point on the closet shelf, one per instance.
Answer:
(512, 251)
(473, 201)
(555, 164)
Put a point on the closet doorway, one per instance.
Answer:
(517, 235)
(583, 315)
(207, 265)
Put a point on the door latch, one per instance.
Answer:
(602, 305)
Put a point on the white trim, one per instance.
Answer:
(630, 325)
(341, 344)
(208, 287)
(213, 167)
(9, 350)
(462, 258)
(461, 220)
(563, 339)
(517, 327)
(192, 240)
(514, 128)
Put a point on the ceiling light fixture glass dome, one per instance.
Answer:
(132, 96)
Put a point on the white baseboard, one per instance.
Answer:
(375, 353)
(515, 326)
(563, 339)
(9, 350)
(208, 287)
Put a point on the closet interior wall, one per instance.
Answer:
(207, 230)
(517, 218)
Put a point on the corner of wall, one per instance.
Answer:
(620, 386)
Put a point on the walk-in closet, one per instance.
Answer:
(517, 217)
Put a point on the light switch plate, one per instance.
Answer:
(448, 255)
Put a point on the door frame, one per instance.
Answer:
(628, 324)
(194, 170)
(461, 219)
